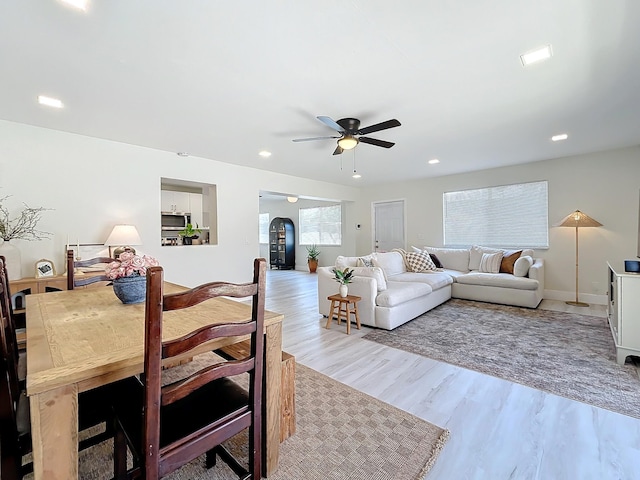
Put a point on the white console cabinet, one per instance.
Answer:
(623, 310)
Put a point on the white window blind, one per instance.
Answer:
(505, 216)
(320, 225)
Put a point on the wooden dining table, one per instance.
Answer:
(84, 338)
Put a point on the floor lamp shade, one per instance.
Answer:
(578, 220)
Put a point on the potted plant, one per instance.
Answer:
(344, 278)
(128, 273)
(189, 233)
(312, 257)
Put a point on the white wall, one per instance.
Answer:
(603, 185)
(92, 184)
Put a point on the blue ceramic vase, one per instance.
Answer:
(130, 289)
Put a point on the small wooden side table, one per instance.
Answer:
(341, 307)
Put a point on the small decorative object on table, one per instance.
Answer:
(45, 268)
(189, 234)
(343, 277)
(129, 276)
(312, 257)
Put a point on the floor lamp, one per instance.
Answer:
(578, 219)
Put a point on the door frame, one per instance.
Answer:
(373, 220)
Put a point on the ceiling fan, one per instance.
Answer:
(350, 133)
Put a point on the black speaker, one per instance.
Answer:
(632, 266)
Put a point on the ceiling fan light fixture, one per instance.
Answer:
(348, 142)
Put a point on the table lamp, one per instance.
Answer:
(123, 236)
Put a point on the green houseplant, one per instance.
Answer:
(189, 233)
(312, 257)
(344, 278)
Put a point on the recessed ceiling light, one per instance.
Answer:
(50, 102)
(264, 154)
(433, 161)
(183, 154)
(356, 175)
(536, 55)
(80, 4)
(557, 138)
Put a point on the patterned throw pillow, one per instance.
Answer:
(365, 262)
(419, 262)
(490, 262)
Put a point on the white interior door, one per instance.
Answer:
(388, 221)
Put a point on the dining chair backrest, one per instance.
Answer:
(9, 386)
(159, 461)
(72, 264)
(8, 336)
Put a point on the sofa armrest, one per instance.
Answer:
(364, 287)
(536, 272)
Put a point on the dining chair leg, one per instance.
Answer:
(119, 455)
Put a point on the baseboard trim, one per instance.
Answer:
(569, 296)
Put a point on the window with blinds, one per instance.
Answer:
(508, 216)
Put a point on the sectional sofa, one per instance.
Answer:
(398, 286)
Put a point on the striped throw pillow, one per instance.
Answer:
(490, 262)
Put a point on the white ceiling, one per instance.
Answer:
(224, 80)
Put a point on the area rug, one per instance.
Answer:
(566, 354)
(341, 434)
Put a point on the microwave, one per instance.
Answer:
(175, 221)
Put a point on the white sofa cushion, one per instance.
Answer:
(373, 272)
(451, 258)
(400, 292)
(435, 280)
(391, 263)
(344, 262)
(490, 262)
(522, 266)
(504, 280)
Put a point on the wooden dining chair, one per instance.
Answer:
(72, 264)
(94, 406)
(173, 424)
(6, 310)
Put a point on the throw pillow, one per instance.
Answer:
(436, 260)
(522, 265)
(391, 263)
(365, 261)
(508, 260)
(490, 262)
(419, 262)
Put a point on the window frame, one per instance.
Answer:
(301, 227)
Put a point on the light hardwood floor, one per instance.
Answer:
(499, 429)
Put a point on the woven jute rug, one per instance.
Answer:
(341, 434)
(570, 355)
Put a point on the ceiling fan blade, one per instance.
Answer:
(376, 142)
(338, 150)
(330, 122)
(311, 138)
(379, 126)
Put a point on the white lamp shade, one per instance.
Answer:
(124, 235)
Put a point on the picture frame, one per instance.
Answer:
(45, 268)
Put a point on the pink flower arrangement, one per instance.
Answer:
(130, 265)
